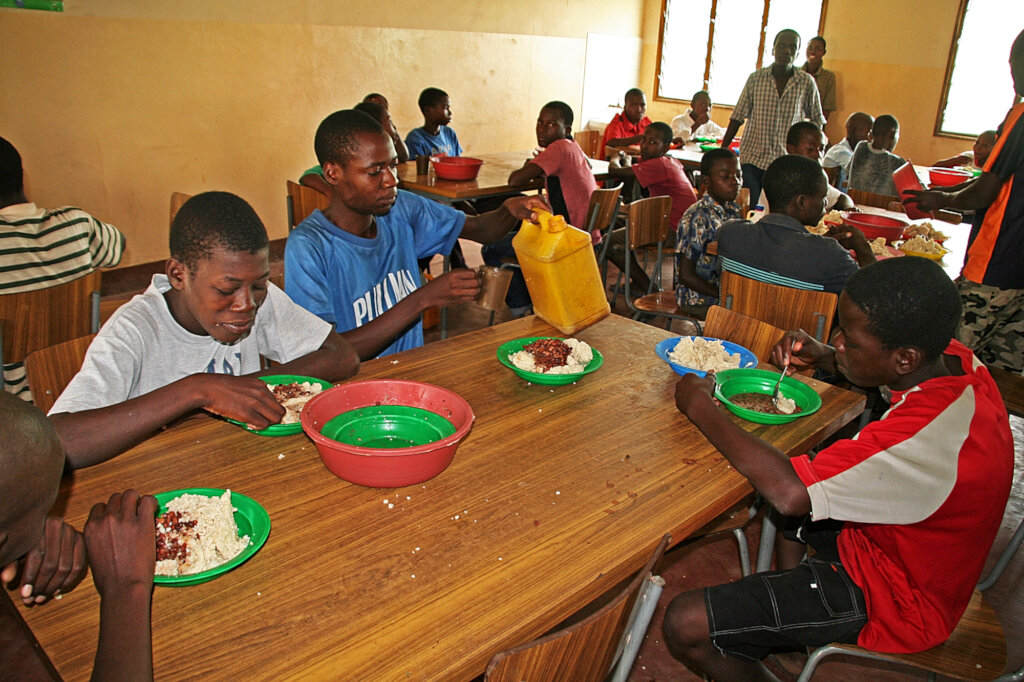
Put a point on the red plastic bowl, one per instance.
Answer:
(386, 468)
(875, 226)
(945, 177)
(456, 167)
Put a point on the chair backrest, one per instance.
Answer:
(580, 652)
(177, 199)
(36, 319)
(50, 369)
(649, 221)
(783, 307)
(756, 336)
(603, 208)
(589, 141)
(862, 198)
(302, 201)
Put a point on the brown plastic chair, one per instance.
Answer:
(177, 200)
(976, 649)
(862, 198)
(1011, 387)
(589, 141)
(51, 369)
(302, 201)
(603, 209)
(36, 319)
(783, 307)
(756, 336)
(587, 650)
(649, 227)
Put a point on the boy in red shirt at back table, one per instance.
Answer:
(901, 518)
(626, 127)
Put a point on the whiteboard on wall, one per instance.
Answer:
(612, 67)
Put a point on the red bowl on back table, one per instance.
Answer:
(456, 167)
(946, 177)
(874, 226)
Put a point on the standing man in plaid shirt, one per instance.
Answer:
(773, 99)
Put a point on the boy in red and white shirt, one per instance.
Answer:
(930, 479)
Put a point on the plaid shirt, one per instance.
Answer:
(770, 116)
(699, 226)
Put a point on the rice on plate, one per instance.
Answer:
(705, 355)
(553, 356)
(197, 533)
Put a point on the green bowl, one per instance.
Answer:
(388, 426)
(506, 350)
(708, 140)
(283, 429)
(708, 147)
(736, 381)
(251, 518)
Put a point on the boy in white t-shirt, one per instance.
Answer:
(183, 345)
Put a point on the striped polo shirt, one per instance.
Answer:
(41, 248)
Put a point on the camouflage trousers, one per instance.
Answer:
(993, 324)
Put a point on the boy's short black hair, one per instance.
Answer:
(789, 176)
(700, 93)
(214, 220)
(708, 161)
(798, 130)
(564, 109)
(884, 124)
(373, 95)
(336, 135)
(910, 303)
(431, 97)
(664, 131)
(371, 109)
(12, 176)
(634, 92)
(821, 40)
(778, 35)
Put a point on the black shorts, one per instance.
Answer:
(814, 604)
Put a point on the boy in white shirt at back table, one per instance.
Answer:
(696, 122)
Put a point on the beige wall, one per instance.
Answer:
(895, 66)
(120, 102)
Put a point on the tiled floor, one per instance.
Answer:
(715, 560)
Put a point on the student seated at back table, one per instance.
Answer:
(903, 516)
(837, 159)
(873, 162)
(120, 539)
(721, 180)
(696, 121)
(975, 157)
(354, 263)
(659, 176)
(778, 248)
(183, 345)
(807, 139)
(314, 177)
(627, 126)
(41, 248)
(568, 182)
(435, 137)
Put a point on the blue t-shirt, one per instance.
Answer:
(419, 142)
(349, 280)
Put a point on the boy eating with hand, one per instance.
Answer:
(185, 343)
(931, 476)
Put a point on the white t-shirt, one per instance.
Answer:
(831, 197)
(681, 127)
(142, 348)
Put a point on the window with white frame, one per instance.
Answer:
(978, 89)
(714, 45)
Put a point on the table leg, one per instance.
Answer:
(444, 311)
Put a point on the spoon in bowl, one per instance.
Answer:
(782, 404)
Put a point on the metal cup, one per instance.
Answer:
(422, 164)
(494, 283)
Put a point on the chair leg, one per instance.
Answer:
(1015, 676)
(767, 546)
(490, 319)
(741, 540)
(639, 621)
(815, 658)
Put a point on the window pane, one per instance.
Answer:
(800, 15)
(684, 48)
(734, 48)
(981, 90)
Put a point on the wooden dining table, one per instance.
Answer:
(557, 494)
(491, 181)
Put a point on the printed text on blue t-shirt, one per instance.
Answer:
(383, 295)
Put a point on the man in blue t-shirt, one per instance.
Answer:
(435, 137)
(354, 263)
